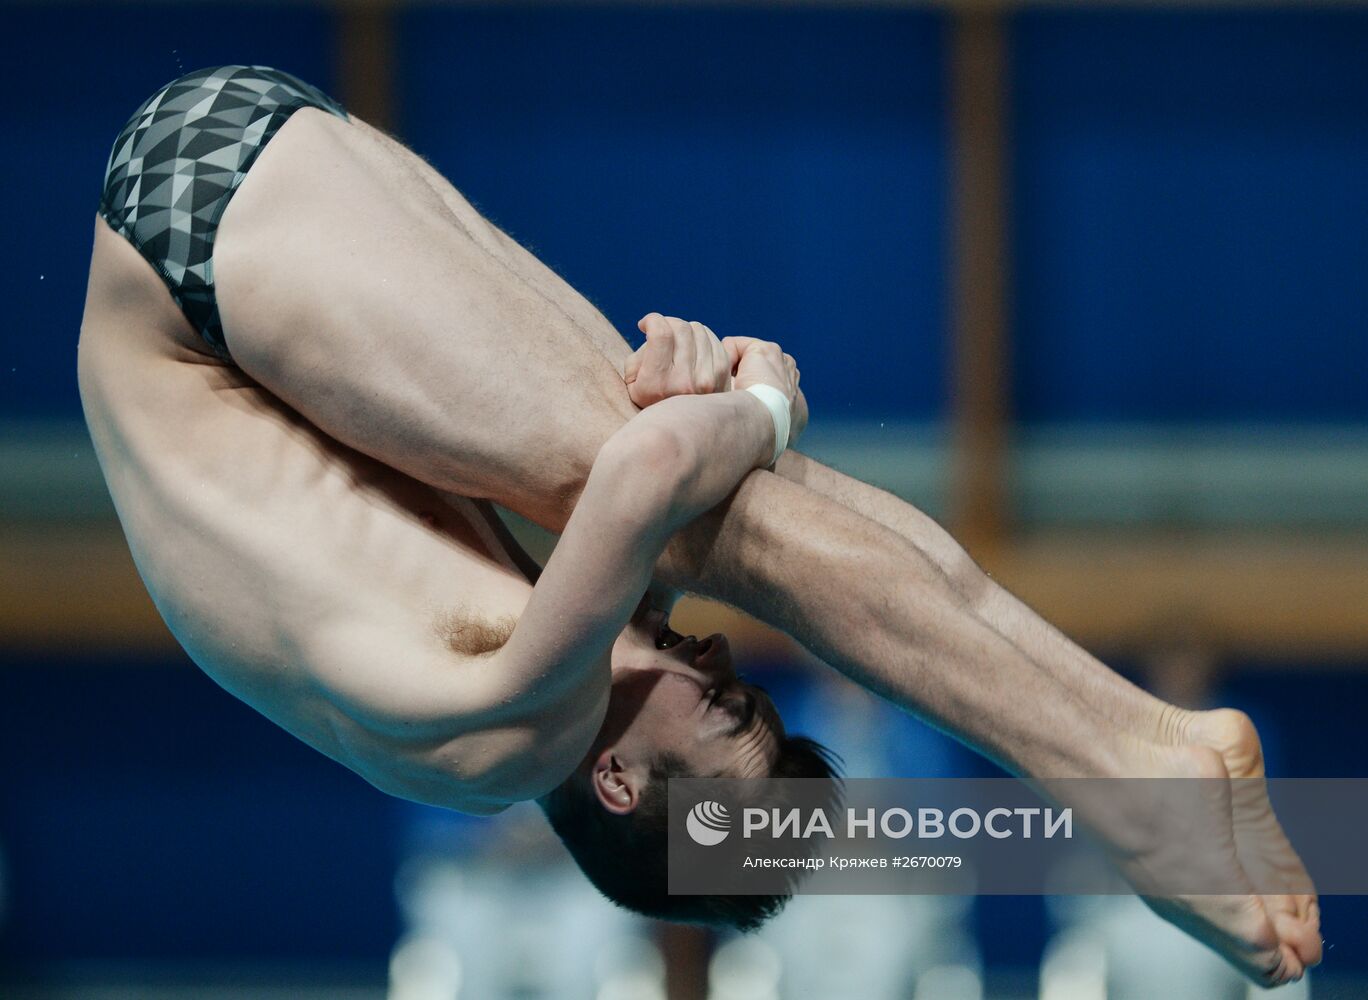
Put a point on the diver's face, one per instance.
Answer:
(679, 695)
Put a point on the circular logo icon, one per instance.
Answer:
(708, 823)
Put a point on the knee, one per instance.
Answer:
(967, 577)
(547, 473)
(548, 495)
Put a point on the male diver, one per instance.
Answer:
(309, 367)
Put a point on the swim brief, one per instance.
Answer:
(177, 163)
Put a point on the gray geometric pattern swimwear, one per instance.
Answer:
(177, 163)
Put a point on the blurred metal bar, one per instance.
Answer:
(365, 54)
(75, 591)
(950, 5)
(1130, 477)
(1249, 596)
(1179, 5)
(1240, 598)
(978, 128)
(686, 950)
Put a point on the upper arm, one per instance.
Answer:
(666, 466)
(598, 572)
(652, 476)
(478, 732)
(425, 724)
(393, 680)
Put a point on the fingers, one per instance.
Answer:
(672, 349)
(687, 358)
(721, 365)
(762, 361)
(736, 347)
(678, 358)
(656, 327)
(703, 379)
(632, 369)
(712, 371)
(682, 380)
(659, 348)
(800, 417)
(648, 368)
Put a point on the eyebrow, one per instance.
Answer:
(753, 708)
(747, 716)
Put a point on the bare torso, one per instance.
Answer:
(325, 589)
(266, 545)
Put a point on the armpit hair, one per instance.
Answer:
(473, 635)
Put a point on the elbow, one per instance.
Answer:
(654, 465)
(969, 580)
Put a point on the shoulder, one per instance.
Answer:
(461, 729)
(495, 767)
(479, 773)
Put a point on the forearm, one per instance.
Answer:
(719, 438)
(653, 476)
(1105, 691)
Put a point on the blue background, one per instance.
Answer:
(1189, 244)
(1187, 207)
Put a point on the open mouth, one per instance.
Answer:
(666, 637)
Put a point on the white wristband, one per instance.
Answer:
(779, 410)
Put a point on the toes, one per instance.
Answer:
(1301, 934)
(1290, 966)
(1296, 919)
(1266, 960)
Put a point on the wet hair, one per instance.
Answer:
(624, 856)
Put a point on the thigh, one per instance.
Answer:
(588, 322)
(407, 328)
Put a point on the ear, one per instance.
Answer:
(614, 785)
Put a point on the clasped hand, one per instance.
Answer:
(683, 358)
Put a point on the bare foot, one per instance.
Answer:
(1185, 837)
(1264, 850)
